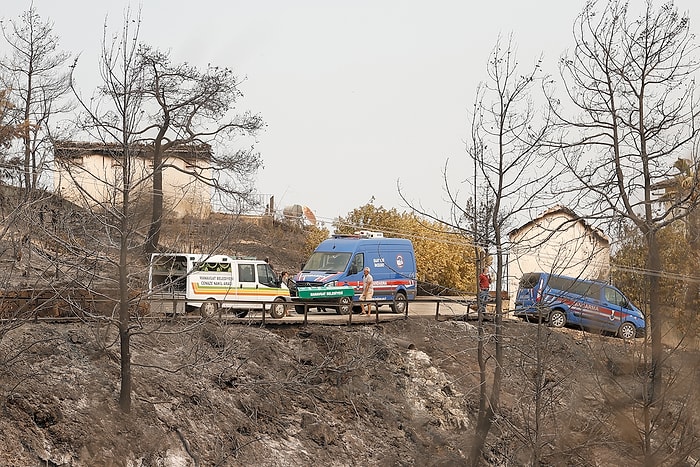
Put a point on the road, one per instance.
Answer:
(436, 307)
(441, 307)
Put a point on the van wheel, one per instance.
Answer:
(400, 304)
(627, 331)
(278, 308)
(299, 309)
(344, 306)
(208, 308)
(557, 319)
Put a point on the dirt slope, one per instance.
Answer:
(399, 393)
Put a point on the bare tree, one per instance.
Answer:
(630, 82)
(147, 113)
(508, 148)
(37, 75)
(508, 137)
(188, 107)
(114, 118)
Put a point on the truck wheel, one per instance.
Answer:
(344, 306)
(299, 309)
(208, 308)
(627, 331)
(557, 319)
(400, 304)
(278, 308)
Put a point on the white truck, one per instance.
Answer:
(184, 282)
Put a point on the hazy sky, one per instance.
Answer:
(358, 96)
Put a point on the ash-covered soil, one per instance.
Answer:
(401, 393)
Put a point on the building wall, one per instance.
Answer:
(100, 179)
(185, 194)
(554, 243)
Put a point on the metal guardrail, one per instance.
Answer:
(178, 306)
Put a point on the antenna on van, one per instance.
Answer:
(368, 234)
(360, 234)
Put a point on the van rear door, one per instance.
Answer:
(529, 290)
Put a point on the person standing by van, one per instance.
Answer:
(484, 286)
(367, 290)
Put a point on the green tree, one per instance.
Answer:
(314, 236)
(679, 273)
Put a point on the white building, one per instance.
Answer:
(558, 242)
(89, 174)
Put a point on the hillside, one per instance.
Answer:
(401, 393)
(47, 243)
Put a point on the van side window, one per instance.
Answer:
(615, 297)
(266, 275)
(246, 272)
(593, 291)
(358, 263)
(562, 283)
(583, 288)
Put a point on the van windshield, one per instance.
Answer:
(327, 262)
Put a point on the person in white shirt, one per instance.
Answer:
(367, 290)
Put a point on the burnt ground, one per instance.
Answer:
(401, 393)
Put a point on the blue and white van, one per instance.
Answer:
(338, 262)
(562, 300)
